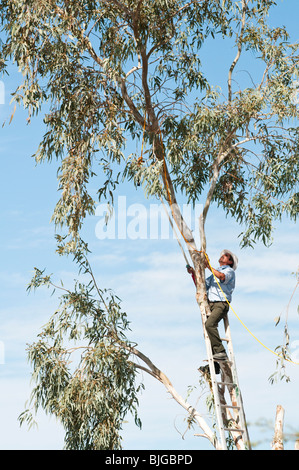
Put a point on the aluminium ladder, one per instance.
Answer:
(232, 413)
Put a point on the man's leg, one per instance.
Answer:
(218, 312)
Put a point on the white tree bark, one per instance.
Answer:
(159, 375)
(277, 443)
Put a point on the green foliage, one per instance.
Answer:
(108, 68)
(283, 350)
(81, 367)
(106, 73)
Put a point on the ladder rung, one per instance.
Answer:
(234, 429)
(227, 383)
(219, 361)
(231, 406)
(233, 387)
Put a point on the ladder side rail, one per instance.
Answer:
(234, 370)
(218, 408)
(236, 380)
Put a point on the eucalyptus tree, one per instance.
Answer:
(109, 72)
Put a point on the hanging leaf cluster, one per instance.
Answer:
(82, 371)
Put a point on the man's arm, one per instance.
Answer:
(220, 275)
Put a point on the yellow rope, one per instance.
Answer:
(187, 242)
(262, 344)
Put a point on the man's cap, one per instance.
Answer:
(234, 257)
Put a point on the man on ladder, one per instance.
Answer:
(230, 417)
(218, 298)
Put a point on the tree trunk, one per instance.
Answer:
(277, 443)
(198, 258)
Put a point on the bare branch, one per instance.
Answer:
(244, 8)
(216, 169)
(159, 375)
(130, 103)
(277, 443)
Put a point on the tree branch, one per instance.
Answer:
(216, 169)
(130, 103)
(277, 443)
(244, 8)
(120, 5)
(159, 375)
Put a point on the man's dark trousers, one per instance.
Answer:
(218, 312)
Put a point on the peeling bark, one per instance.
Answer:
(159, 375)
(277, 443)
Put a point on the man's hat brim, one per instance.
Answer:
(234, 257)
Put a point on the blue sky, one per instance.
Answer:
(158, 296)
